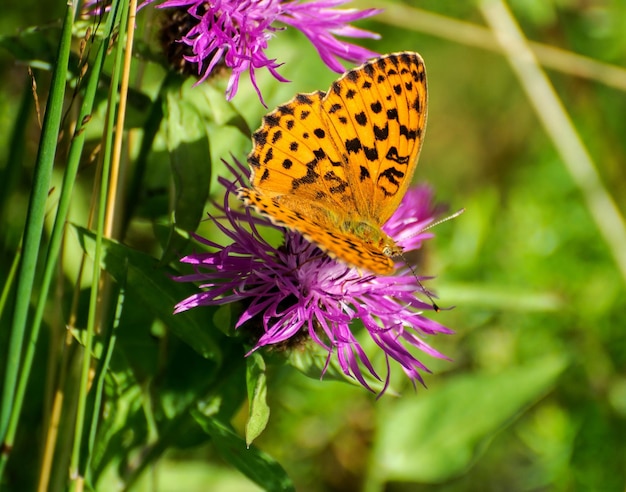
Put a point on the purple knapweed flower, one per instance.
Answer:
(296, 289)
(236, 33)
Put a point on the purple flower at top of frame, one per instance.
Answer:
(297, 291)
(235, 33)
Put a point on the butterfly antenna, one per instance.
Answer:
(430, 226)
(445, 219)
(419, 282)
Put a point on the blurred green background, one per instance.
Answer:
(534, 396)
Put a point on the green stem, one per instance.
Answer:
(99, 379)
(6, 290)
(56, 237)
(34, 227)
(76, 470)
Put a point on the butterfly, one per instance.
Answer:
(335, 165)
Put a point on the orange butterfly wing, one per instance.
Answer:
(334, 166)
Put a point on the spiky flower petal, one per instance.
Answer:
(296, 288)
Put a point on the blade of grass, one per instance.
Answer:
(559, 126)
(34, 225)
(73, 161)
(104, 227)
(121, 114)
(6, 290)
(99, 378)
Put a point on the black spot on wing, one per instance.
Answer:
(393, 155)
(334, 108)
(352, 75)
(304, 99)
(260, 137)
(310, 177)
(417, 105)
(371, 153)
(271, 120)
(364, 173)
(319, 154)
(381, 133)
(253, 160)
(409, 134)
(406, 59)
(353, 145)
(285, 109)
(392, 176)
(339, 185)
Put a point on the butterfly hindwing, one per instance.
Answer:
(348, 248)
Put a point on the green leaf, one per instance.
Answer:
(190, 160)
(154, 286)
(124, 408)
(190, 157)
(219, 110)
(256, 465)
(259, 411)
(437, 435)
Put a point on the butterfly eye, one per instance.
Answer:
(392, 250)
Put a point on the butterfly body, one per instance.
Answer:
(335, 165)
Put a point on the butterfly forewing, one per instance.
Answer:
(377, 113)
(292, 155)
